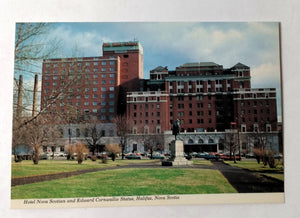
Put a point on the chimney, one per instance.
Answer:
(35, 96)
(19, 102)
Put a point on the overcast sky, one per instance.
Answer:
(172, 44)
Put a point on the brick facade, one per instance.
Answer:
(205, 97)
(92, 88)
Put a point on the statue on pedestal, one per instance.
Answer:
(176, 128)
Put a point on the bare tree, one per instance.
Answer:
(123, 126)
(93, 134)
(36, 133)
(261, 150)
(18, 140)
(153, 142)
(231, 143)
(32, 46)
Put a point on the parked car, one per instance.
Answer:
(187, 156)
(212, 157)
(60, 154)
(167, 153)
(145, 154)
(250, 156)
(193, 154)
(133, 156)
(103, 154)
(45, 156)
(227, 157)
(158, 156)
(201, 154)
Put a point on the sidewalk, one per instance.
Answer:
(248, 182)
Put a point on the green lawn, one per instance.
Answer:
(252, 165)
(128, 182)
(27, 168)
(202, 162)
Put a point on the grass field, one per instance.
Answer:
(252, 165)
(27, 168)
(128, 182)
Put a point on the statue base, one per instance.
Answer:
(177, 153)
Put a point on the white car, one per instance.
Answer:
(60, 154)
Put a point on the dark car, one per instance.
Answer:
(250, 156)
(212, 157)
(201, 154)
(133, 156)
(157, 156)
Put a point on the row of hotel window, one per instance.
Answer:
(102, 117)
(80, 64)
(190, 90)
(94, 96)
(201, 82)
(94, 103)
(103, 82)
(87, 76)
(182, 121)
(178, 98)
(95, 89)
(87, 70)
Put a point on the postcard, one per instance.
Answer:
(146, 113)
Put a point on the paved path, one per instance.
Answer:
(245, 181)
(242, 180)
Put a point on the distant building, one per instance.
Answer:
(207, 98)
(95, 86)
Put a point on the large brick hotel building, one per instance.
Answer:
(206, 98)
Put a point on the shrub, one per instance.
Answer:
(18, 159)
(81, 151)
(115, 149)
(267, 157)
(70, 150)
(269, 154)
(93, 157)
(104, 159)
(258, 154)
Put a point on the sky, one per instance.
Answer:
(171, 44)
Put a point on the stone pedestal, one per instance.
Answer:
(177, 155)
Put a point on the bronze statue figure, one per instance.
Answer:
(176, 128)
